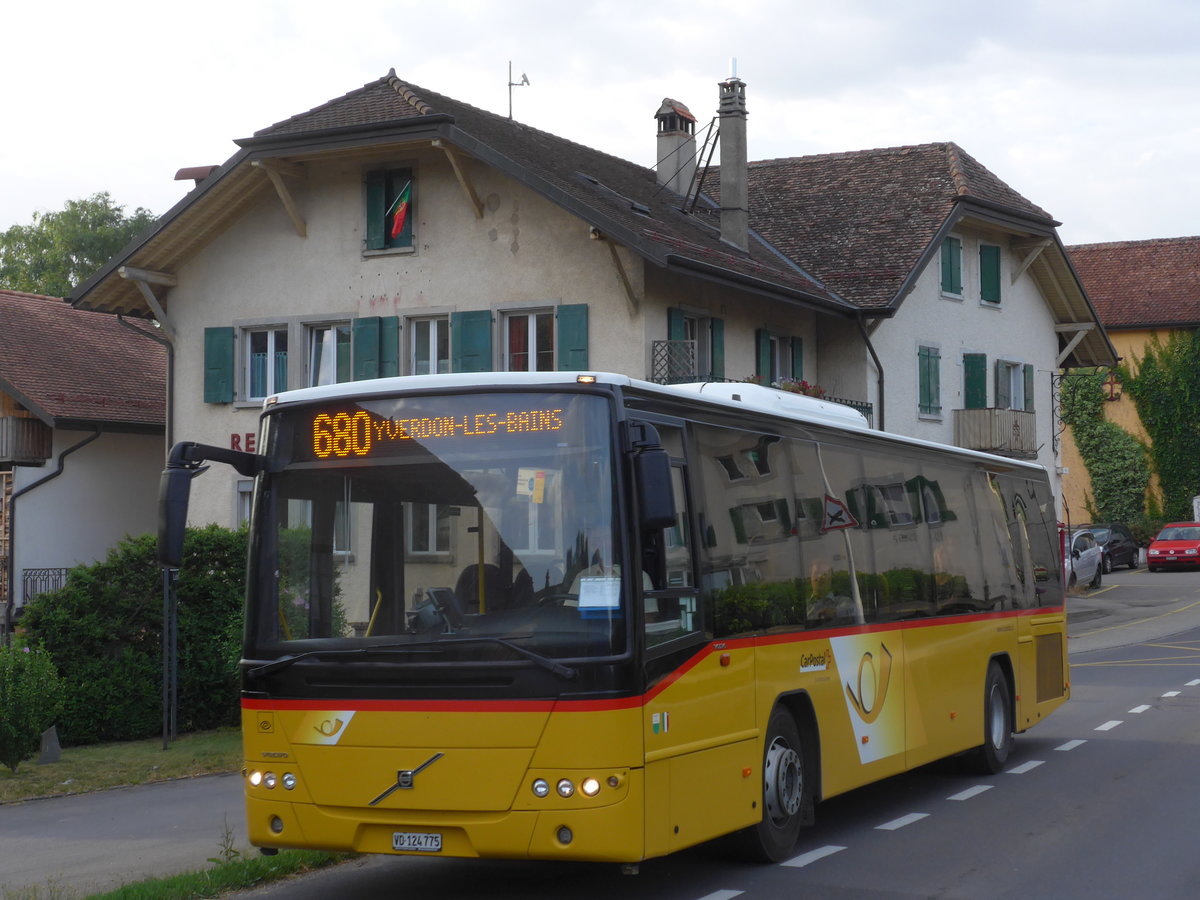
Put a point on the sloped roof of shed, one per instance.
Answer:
(70, 367)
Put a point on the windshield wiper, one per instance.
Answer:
(544, 661)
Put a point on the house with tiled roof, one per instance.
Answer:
(1142, 291)
(394, 230)
(82, 398)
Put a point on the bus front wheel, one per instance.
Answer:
(787, 792)
(989, 758)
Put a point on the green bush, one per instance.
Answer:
(103, 630)
(31, 695)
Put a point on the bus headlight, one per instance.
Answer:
(541, 787)
(566, 788)
(590, 787)
(269, 781)
(289, 781)
(256, 778)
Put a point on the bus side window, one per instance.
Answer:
(670, 602)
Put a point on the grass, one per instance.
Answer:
(103, 766)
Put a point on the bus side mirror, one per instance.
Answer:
(656, 496)
(174, 486)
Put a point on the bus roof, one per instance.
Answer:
(737, 395)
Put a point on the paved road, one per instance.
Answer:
(96, 841)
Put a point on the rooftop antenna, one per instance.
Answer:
(512, 84)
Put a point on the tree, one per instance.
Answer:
(60, 250)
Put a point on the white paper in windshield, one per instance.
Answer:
(599, 592)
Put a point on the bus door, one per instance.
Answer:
(698, 715)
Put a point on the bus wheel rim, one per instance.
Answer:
(784, 781)
(996, 716)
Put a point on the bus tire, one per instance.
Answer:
(787, 792)
(990, 757)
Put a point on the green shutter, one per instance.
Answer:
(974, 381)
(471, 341)
(989, 273)
(1028, 387)
(218, 365)
(762, 353)
(389, 346)
(739, 524)
(717, 351)
(395, 182)
(376, 192)
(798, 358)
(675, 329)
(572, 337)
(365, 347)
(930, 377)
(1003, 385)
(952, 266)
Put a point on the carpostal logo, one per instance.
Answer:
(874, 702)
(814, 662)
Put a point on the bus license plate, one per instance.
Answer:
(417, 840)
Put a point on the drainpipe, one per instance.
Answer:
(170, 411)
(11, 601)
(878, 368)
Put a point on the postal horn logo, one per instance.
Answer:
(873, 679)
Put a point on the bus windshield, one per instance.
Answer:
(480, 525)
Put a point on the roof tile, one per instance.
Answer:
(1142, 284)
(70, 364)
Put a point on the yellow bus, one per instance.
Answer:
(570, 616)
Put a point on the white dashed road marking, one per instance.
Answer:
(1026, 767)
(971, 792)
(901, 822)
(1108, 726)
(812, 856)
(1070, 745)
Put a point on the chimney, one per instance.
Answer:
(735, 220)
(676, 146)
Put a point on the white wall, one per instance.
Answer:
(1019, 329)
(108, 490)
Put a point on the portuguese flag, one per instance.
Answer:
(399, 208)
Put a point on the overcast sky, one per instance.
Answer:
(1089, 108)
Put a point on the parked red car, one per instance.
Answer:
(1176, 547)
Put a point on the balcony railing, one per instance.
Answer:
(24, 440)
(1007, 432)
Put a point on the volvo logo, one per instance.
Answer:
(404, 778)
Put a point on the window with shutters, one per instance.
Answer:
(250, 360)
(429, 346)
(929, 376)
(329, 359)
(265, 366)
(696, 346)
(951, 259)
(778, 358)
(529, 341)
(390, 201)
(1014, 385)
(989, 273)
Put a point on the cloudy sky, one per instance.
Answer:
(1090, 108)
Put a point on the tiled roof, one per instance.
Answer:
(861, 220)
(71, 366)
(628, 196)
(1142, 284)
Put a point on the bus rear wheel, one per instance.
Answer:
(989, 758)
(787, 792)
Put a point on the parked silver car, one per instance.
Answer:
(1085, 561)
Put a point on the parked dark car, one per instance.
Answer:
(1176, 547)
(1120, 548)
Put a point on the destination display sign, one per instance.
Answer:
(338, 434)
